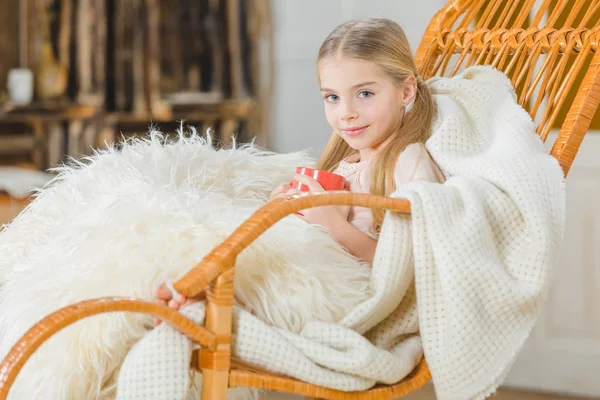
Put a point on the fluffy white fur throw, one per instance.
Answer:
(122, 222)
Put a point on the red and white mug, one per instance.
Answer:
(328, 180)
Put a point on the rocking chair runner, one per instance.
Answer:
(508, 35)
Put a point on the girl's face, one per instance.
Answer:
(362, 104)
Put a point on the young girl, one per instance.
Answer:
(381, 113)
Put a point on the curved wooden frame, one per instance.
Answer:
(498, 40)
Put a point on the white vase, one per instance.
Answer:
(20, 86)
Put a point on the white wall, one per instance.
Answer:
(297, 117)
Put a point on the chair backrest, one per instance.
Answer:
(546, 47)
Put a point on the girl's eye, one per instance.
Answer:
(365, 94)
(332, 98)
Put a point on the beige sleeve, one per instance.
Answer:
(415, 164)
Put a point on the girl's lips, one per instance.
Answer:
(355, 131)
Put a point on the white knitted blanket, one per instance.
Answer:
(483, 247)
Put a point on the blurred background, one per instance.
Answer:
(76, 75)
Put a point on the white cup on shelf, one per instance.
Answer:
(20, 86)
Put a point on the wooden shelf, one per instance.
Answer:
(39, 114)
(225, 110)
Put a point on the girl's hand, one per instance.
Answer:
(279, 191)
(165, 297)
(332, 218)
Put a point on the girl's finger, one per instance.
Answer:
(174, 305)
(162, 302)
(163, 293)
(312, 184)
(292, 192)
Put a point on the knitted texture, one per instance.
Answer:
(485, 242)
(477, 254)
(157, 367)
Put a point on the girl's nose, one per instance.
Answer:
(349, 112)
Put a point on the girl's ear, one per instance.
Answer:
(409, 90)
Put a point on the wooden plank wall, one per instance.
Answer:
(9, 36)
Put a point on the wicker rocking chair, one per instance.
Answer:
(555, 68)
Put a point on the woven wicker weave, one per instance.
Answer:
(545, 61)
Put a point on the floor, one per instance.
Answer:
(9, 208)
(427, 393)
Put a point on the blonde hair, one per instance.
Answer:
(383, 42)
